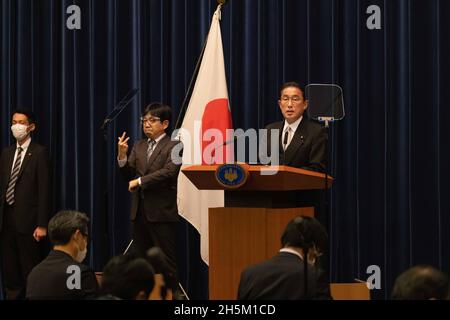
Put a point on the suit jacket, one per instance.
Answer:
(48, 280)
(280, 278)
(32, 190)
(308, 146)
(307, 150)
(158, 192)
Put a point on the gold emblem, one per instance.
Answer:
(230, 175)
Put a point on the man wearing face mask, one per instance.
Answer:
(24, 204)
(61, 275)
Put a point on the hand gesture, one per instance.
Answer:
(123, 146)
(39, 233)
(133, 185)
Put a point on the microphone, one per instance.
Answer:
(235, 138)
(119, 108)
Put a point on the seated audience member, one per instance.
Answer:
(128, 278)
(421, 283)
(62, 275)
(283, 276)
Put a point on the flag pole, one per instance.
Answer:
(187, 97)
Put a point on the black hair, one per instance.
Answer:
(421, 283)
(305, 232)
(64, 224)
(160, 110)
(125, 276)
(295, 85)
(30, 115)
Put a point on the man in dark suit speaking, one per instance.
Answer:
(24, 203)
(152, 178)
(302, 142)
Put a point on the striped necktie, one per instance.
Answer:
(13, 179)
(151, 146)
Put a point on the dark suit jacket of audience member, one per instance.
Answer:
(308, 147)
(32, 190)
(280, 278)
(158, 192)
(48, 280)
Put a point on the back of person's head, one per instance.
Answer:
(305, 233)
(128, 278)
(64, 224)
(421, 283)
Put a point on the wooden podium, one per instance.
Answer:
(248, 229)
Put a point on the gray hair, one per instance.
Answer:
(64, 224)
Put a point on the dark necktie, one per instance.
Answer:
(13, 178)
(286, 138)
(151, 146)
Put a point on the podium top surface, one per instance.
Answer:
(276, 178)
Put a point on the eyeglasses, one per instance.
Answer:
(295, 99)
(151, 120)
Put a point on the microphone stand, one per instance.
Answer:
(104, 160)
(327, 121)
(328, 104)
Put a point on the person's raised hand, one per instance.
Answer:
(123, 146)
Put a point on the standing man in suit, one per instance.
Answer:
(152, 180)
(303, 143)
(283, 277)
(24, 203)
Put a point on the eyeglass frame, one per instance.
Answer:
(151, 120)
(295, 99)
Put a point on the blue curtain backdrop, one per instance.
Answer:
(389, 155)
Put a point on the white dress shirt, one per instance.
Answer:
(291, 128)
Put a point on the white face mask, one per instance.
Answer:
(19, 131)
(81, 255)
